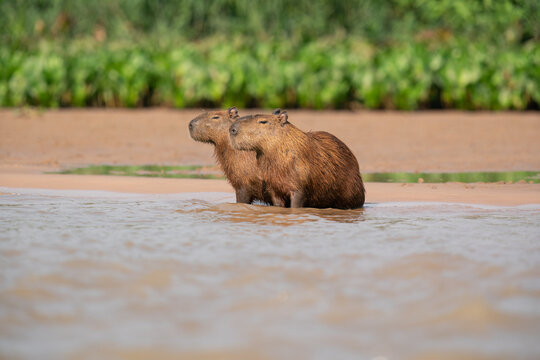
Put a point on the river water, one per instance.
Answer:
(97, 275)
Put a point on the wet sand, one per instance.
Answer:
(32, 143)
(487, 194)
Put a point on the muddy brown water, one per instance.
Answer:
(94, 275)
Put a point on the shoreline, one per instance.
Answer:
(462, 193)
(33, 143)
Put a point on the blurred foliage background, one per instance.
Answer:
(394, 54)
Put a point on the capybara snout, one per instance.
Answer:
(251, 132)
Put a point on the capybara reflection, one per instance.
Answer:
(313, 169)
(240, 167)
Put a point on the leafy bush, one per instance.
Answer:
(379, 22)
(327, 73)
(402, 54)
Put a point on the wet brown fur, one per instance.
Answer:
(240, 167)
(313, 169)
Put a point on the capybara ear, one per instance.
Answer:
(233, 112)
(283, 117)
(276, 111)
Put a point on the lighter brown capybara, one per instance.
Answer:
(313, 169)
(240, 167)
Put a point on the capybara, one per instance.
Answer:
(313, 169)
(240, 167)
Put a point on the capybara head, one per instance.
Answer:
(257, 132)
(213, 126)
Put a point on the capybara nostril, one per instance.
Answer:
(233, 130)
(191, 125)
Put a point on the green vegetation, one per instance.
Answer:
(501, 21)
(209, 172)
(330, 73)
(185, 171)
(396, 54)
(464, 177)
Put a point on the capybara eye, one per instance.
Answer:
(215, 117)
(263, 122)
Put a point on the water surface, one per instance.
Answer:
(93, 275)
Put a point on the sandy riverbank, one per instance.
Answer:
(488, 194)
(32, 143)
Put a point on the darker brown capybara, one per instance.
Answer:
(240, 167)
(313, 169)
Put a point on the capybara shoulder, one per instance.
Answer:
(240, 167)
(313, 169)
